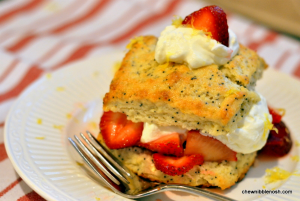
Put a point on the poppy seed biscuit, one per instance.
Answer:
(211, 98)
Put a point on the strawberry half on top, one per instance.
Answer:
(118, 132)
(210, 19)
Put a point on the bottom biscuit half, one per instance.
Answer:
(222, 174)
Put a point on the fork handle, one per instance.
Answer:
(183, 188)
(195, 190)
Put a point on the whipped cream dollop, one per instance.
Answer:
(193, 47)
(250, 135)
(152, 132)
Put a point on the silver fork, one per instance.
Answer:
(111, 172)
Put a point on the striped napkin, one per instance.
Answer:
(41, 36)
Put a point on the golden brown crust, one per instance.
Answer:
(212, 95)
(245, 66)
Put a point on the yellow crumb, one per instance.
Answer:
(60, 88)
(39, 121)
(81, 106)
(116, 66)
(281, 111)
(208, 34)
(297, 143)
(264, 187)
(48, 75)
(295, 158)
(165, 65)
(40, 138)
(78, 163)
(195, 32)
(92, 125)
(97, 198)
(59, 127)
(133, 41)
(177, 21)
(268, 126)
(96, 74)
(276, 174)
(230, 92)
(69, 116)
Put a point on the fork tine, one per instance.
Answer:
(104, 161)
(108, 157)
(97, 163)
(75, 145)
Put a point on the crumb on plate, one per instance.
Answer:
(59, 127)
(39, 121)
(295, 158)
(69, 116)
(276, 174)
(60, 88)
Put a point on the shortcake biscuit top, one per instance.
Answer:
(212, 98)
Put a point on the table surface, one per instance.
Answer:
(41, 36)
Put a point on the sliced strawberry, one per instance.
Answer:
(210, 148)
(210, 19)
(275, 115)
(118, 132)
(169, 145)
(171, 165)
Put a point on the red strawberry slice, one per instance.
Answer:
(210, 19)
(210, 148)
(171, 165)
(118, 132)
(169, 145)
(275, 115)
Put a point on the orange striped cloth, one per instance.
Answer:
(39, 36)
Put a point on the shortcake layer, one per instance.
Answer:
(221, 174)
(212, 98)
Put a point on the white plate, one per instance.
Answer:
(70, 100)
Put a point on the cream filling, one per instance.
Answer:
(250, 135)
